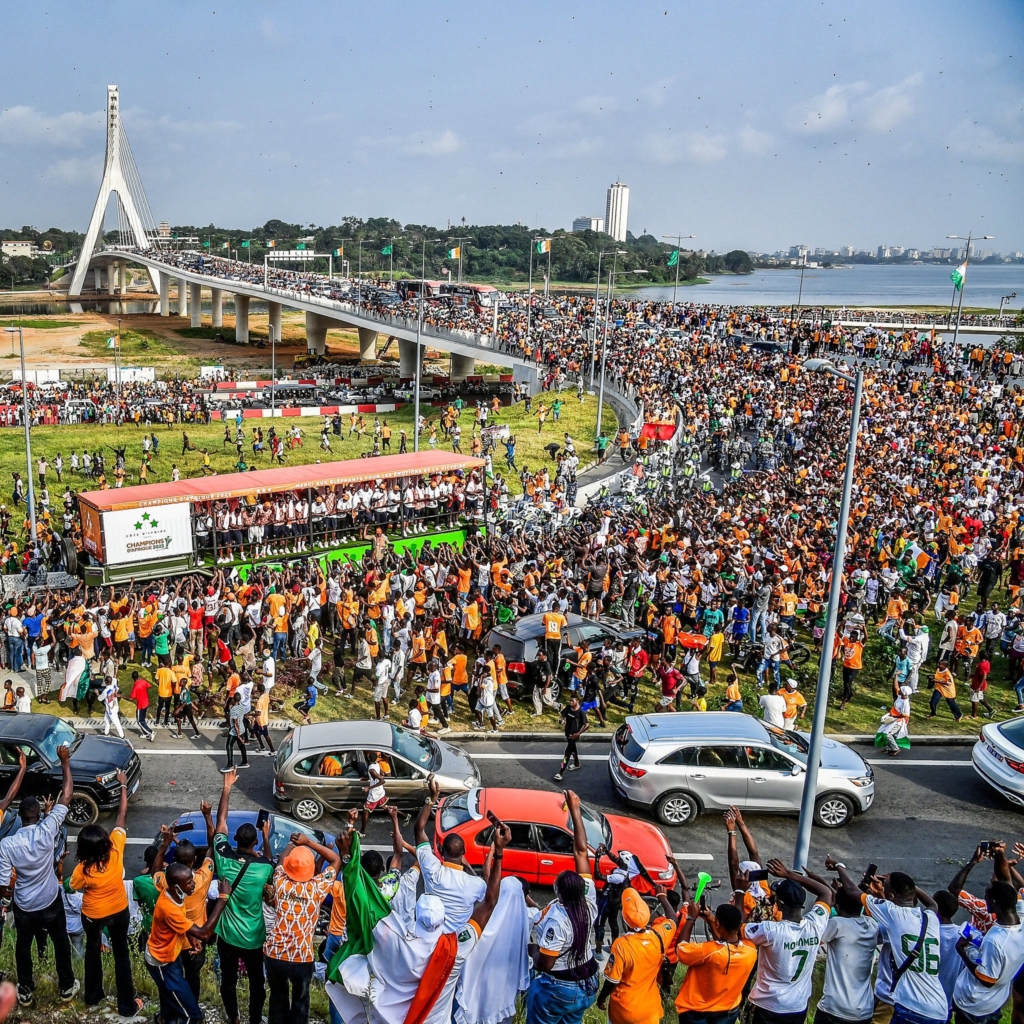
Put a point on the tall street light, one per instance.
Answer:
(679, 245)
(359, 272)
(597, 303)
(808, 800)
(28, 439)
(459, 239)
(273, 366)
(604, 338)
(963, 280)
(419, 328)
(1005, 298)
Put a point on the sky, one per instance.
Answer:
(747, 124)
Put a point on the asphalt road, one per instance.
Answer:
(930, 811)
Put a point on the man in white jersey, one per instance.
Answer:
(914, 938)
(990, 969)
(850, 941)
(787, 948)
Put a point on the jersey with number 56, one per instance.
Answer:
(785, 960)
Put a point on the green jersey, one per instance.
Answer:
(241, 922)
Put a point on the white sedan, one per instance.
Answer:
(998, 757)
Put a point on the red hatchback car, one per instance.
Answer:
(541, 845)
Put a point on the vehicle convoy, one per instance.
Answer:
(151, 531)
(542, 838)
(998, 757)
(521, 640)
(95, 762)
(324, 767)
(677, 766)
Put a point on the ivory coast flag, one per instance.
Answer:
(958, 275)
(456, 253)
(543, 245)
(271, 244)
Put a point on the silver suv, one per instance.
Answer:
(678, 765)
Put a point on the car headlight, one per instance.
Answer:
(470, 781)
(105, 780)
(668, 874)
(864, 780)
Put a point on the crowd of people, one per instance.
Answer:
(423, 936)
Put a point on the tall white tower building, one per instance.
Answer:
(616, 211)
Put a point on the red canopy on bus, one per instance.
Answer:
(285, 478)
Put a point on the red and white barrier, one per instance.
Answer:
(305, 410)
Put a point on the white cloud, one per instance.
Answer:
(852, 105)
(980, 142)
(24, 125)
(753, 141)
(596, 105)
(656, 93)
(75, 171)
(416, 143)
(706, 149)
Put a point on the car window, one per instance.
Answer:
(401, 769)
(9, 754)
(340, 764)
(768, 760)
(591, 634)
(684, 755)
(303, 767)
(554, 839)
(722, 757)
(522, 836)
(416, 748)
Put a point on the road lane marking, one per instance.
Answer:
(896, 762)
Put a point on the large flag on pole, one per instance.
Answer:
(272, 244)
(386, 251)
(113, 342)
(340, 251)
(958, 275)
(245, 243)
(543, 245)
(300, 245)
(456, 253)
(673, 259)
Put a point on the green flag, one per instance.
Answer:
(958, 275)
(674, 258)
(245, 244)
(206, 245)
(386, 251)
(300, 245)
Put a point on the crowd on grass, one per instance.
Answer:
(424, 936)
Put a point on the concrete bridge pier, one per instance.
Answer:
(367, 345)
(195, 303)
(163, 282)
(462, 366)
(274, 316)
(111, 267)
(217, 304)
(316, 332)
(182, 296)
(407, 358)
(242, 319)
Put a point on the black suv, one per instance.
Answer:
(95, 762)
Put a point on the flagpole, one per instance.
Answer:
(529, 294)
(547, 280)
(597, 303)
(679, 248)
(963, 284)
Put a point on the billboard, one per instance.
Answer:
(140, 535)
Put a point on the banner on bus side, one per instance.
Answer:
(142, 534)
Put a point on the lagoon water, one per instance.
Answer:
(858, 285)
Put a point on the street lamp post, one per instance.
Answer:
(419, 328)
(679, 243)
(810, 792)
(28, 440)
(967, 256)
(117, 361)
(273, 366)
(359, 278)
(604, 337)
(1003, 299)
(597, 303)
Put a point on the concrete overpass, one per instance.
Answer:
(108, 266)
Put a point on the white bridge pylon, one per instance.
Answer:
(120, 176)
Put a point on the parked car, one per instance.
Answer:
(408, 394)
(324, 767)
(998, 757)
(679, 765)
(95, 762)
(281, 829)
(542, 840)
(520, 640)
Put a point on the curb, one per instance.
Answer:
(214, 725)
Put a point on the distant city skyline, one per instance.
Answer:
(857, 122)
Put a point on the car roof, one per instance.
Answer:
(708, 726)
(368, 734)
(533, 625)
(25, 728)
(539, 806)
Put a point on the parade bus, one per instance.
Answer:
(479, 297)
(321, 510)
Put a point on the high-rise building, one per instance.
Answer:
(617, 211)
(588, 224)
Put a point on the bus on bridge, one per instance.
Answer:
(326, 511)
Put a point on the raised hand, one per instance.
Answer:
(502, 836)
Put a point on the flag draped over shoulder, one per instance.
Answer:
(958, 275)
(365, 905)
(76, 678)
